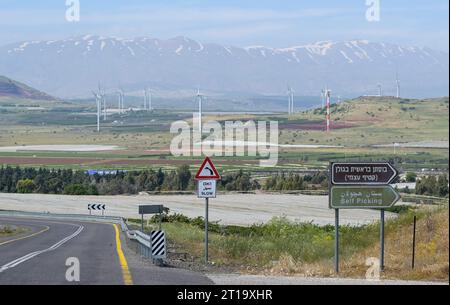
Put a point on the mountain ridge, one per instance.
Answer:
(353, 67)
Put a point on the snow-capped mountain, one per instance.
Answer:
(74, 66)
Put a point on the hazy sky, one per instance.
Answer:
(274, 23)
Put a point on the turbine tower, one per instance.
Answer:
(98, 99)
(101, 92)
(200, 101)
(328, 97)
(145, 99)
(120, 95)
(397, 81)
(290, 93)
(380, 90)
(322, 95)
(148, 99)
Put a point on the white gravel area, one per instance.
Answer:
(81, 148)
(231, 209)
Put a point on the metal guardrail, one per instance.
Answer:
(73, 217)
(144, 244)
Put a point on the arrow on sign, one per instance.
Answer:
(207, 171)
(362, 173)
(363, 197)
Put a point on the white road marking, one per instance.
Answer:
(29, 256)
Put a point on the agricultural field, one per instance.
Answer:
(362, 129)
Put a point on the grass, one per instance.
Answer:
(283, 247)
(7, 231)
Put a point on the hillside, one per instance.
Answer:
(367, 121)
(13, 89)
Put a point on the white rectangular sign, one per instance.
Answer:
(206, 189)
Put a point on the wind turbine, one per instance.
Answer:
(120, 95)
(101, 93)
(328, 97)
(200, 102)
(122, 101)
(380, 90)
(397, 81)
(290, 93)
(145, 99)
(322, 95)
(148, 99)
(98, 99)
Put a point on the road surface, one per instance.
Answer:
(40, 255)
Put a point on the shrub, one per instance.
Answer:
(25, 186)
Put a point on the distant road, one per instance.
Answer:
(230, 209)
(41, 257)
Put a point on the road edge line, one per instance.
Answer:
(126, 274)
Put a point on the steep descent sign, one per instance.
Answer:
(362, 173)
(207, 171)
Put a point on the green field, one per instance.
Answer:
(360, 124)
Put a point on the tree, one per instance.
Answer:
(442, 186)
(183, 177)
(411, 177)
(25, 186)
(75, 189)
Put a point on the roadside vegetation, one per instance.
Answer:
(7, 230)
(433, 186)
(77, 182)
(281, 247)
(69, 182)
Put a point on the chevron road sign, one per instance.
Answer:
(96, 207)
(158, 243)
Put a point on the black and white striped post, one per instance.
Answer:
(158, 246)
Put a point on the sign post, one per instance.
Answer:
(359, 185)
(207, 177)
(150, 209)
(382, 240)
(336, 240)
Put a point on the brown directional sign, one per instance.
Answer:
(369, 173)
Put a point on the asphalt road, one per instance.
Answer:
(40, 256)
